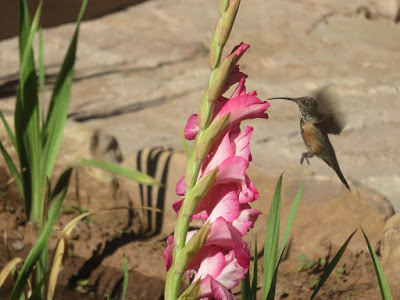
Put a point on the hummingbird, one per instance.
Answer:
(318, 118)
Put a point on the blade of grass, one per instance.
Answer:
(58, 108)
(126, 277)
(292, 215)
(36, 294)
(271, 292)
(245, 288)
(8, 130)
(26, 119)
(119, 170)
(383, 285)
(254, 279)
(272, 239)
(41, 77)
(289, 223)
(40, 244)
(27, 53)
(329, 268)
(288, 227)
(12, 168)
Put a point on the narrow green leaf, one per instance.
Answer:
(272, 239)
(27, 54)
(58, 108)
(36, 295)
(271, 292)
(383, 285)
(245, 289)
(62, 182)
(9, 131)
(119, 170)
(12, 168)
(255, 268)
(329, 268)
(126, 275)
(39, 246)
(41, 77)
(26, 114)
(292, 215)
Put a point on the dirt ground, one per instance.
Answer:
(93, 269)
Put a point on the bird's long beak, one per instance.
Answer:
(283, 98)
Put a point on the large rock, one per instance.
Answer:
(390, 251)
(141, 72)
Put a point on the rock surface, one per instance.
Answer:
(390, 251)
(141, 72)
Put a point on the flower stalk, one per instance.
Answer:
(215, 188)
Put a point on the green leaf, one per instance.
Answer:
(329, 268)
(12, 168)
(271, 292)
(39, 246)
(245, 289)
(255, 267)
(9, 131)
(36, 295)
(58, 108)
(272, 239)
(83, 282)
(26, 119)
(383, 285)
(292, 215)
(119, 170)
(41, 76)
(126, 275)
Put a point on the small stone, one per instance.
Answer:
(18, 245)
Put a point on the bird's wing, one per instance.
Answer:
(330, 120)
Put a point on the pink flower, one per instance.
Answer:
(223, 259)
(240, 106)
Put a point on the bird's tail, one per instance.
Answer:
(332, 162)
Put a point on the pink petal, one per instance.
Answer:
(180, 188)
(213, 197)
(222, 150)
(220, 234)
(218, 291)
(233, 170)
(224, 235)
(239, 50)
(208, 261)
(232, 273)
(167, 254)
(227, 208)
(246, 218)
(243, 108)
(235, 77)
(249, 192)
(177, 205)
(240, 89)
(241, 143)
(218, 104)
(192, 127)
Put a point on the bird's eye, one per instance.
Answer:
(303, 101)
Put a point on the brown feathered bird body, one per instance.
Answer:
(318, 118)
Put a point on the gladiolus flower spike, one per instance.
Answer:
(216, 188)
